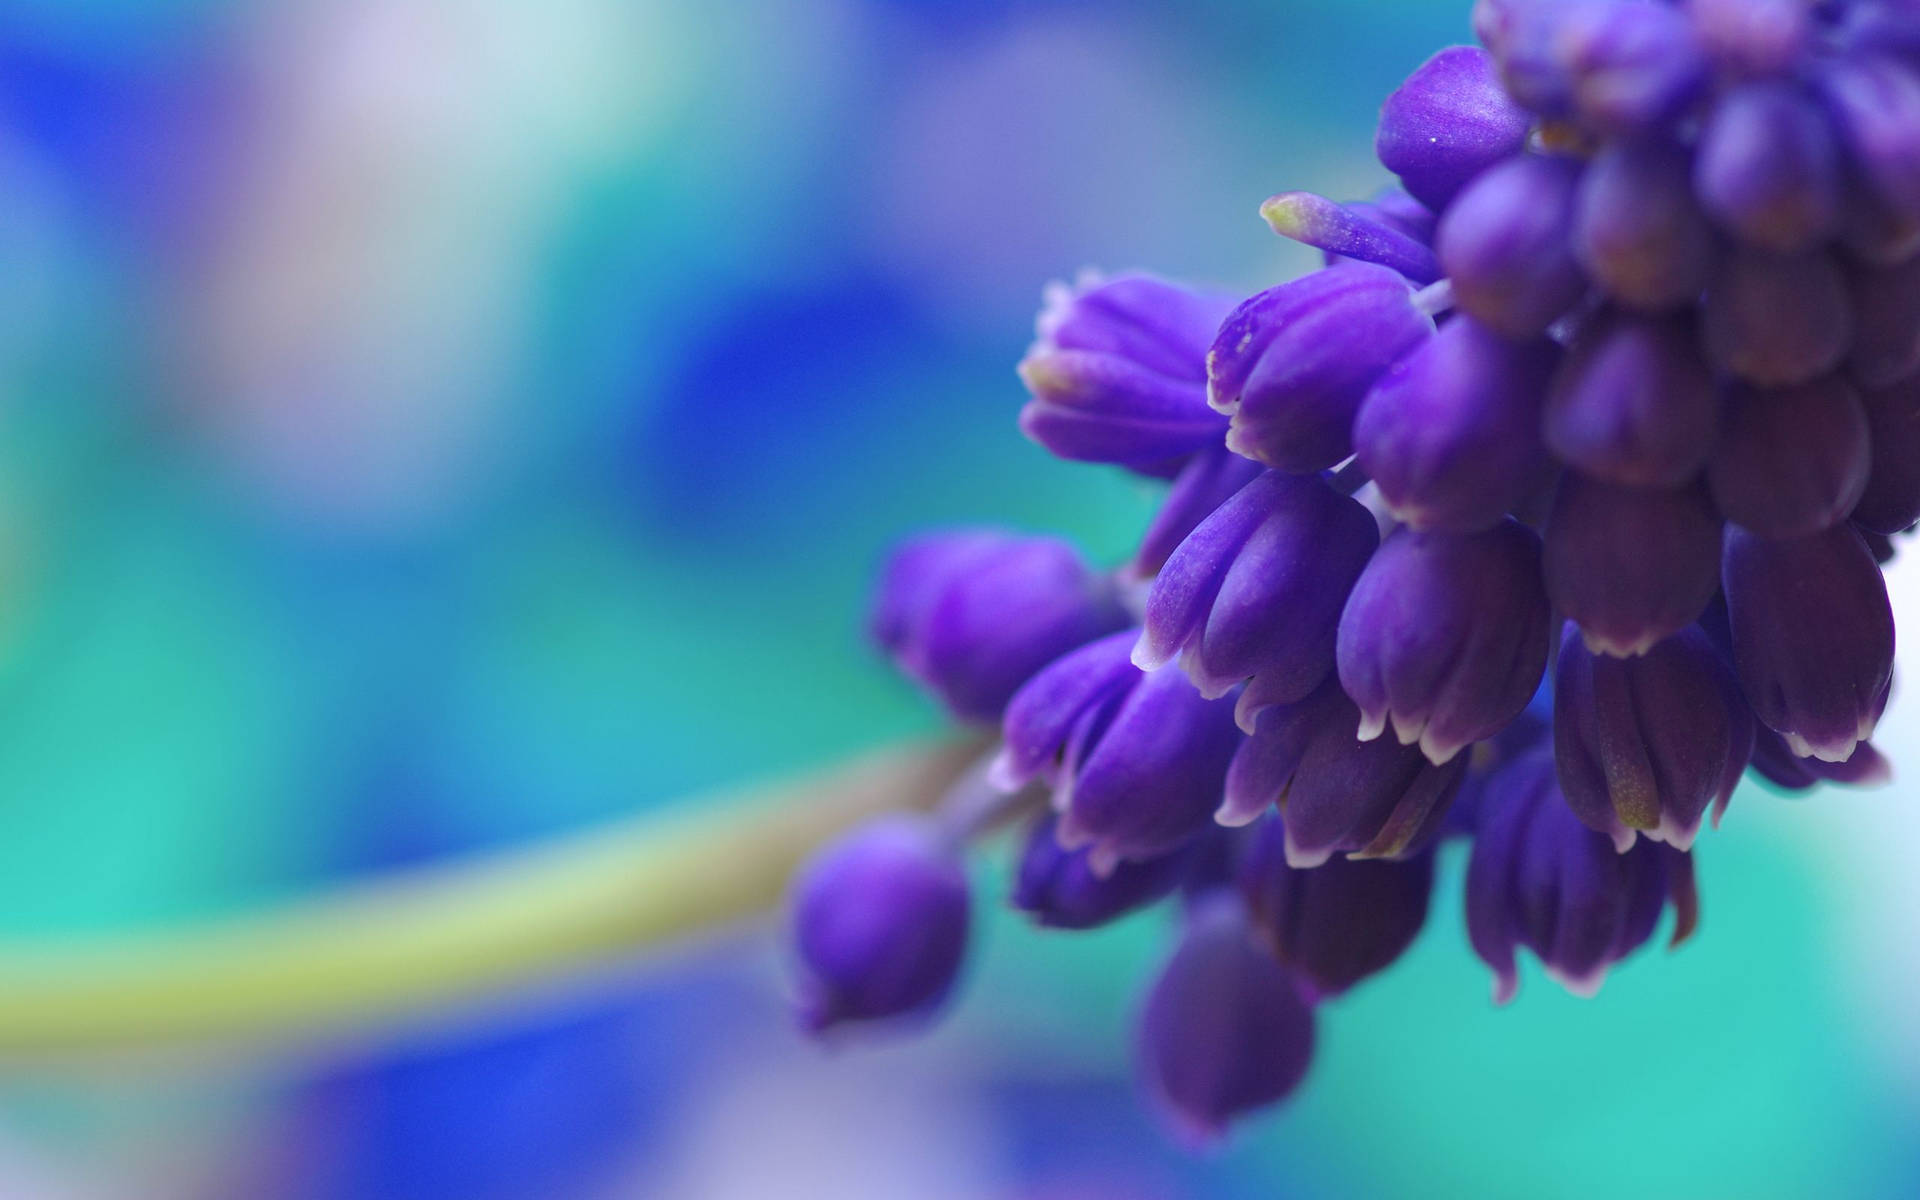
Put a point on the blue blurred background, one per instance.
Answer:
(428, 426)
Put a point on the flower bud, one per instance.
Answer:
(1224, 1031)
(1777, 320)
(1291, 365)
(1631, 66)
(1875, 102)
(1768, 168)
(1451, 434)
(879, 923)
(1257, 588)
(1539, 878)
(1118, 372)
(1645, 745)
(1630, 565)
(1339, 230)
(1060, 889)
(1340, 922)
(1446, 636)
(1374, 799)
(1637, 229)
(1209, 479)
(1506, 245)
(1447, 123)
(1891, 500)
(1886, 323)
(1812, 636)
(1633, 403)
(1779, 766)
(1136, 758)
(1752, 37)
(970, 615)
(1791, 461)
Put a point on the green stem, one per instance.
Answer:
(376, 953)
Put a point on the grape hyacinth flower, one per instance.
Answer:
(1575, 468)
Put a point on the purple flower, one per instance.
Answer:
(1777, 320)
(1637, 229)
(1507, 245)
(1633, 403)
(1451, 433)
(1209, 480)
(1647, 744)
(1630, 66)
(1768, 168)
(1446, 636)
(879, 924)
(1342, 231)
(1875, 102)
(1752, 37)
(1291, 365)
(1447, 123)
(1891, 500)
(1340, 922)
(1782, 768)
(1812, 636)
(1118, 373)
(1630, 565)
(1886, 322)
(1257, 588)
(1060, 889)
(1137, 759)
(970, 615)
(1225, 1031)
(1336, 793)
(1791, 461)
(1539, 878)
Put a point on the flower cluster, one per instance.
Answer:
(1554, 502)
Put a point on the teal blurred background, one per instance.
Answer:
(429, 426)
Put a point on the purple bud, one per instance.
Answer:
(1524, 37)
(1337, 794)
(1539, 878)
(1630, 565)
(1339, 230)
(1812, 636)
(1506, 245)
(1891, 501)
(1340, 922)
(1291, 365)
(1779, 766)
(1447, 123)
(1136, 759)
(1257, 588)
(880, 924)
(1118, 373)
(1224, 1031)
(1886, 323)
(1775, 319)
(1446, 636)
(1634, 402)
(1632, 65)
(1752, 37)
(1875, 102)
(1394, 205)
(1768, 168)
(970, 615)
(1638, 230)
(1646, 745)
(1060, 889)
(1451, 434)
(1204, 484)
(1791, 461)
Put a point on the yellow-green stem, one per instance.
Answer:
(380, 952)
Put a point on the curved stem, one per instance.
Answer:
(379, 952)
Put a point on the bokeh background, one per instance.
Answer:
(430, 425)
